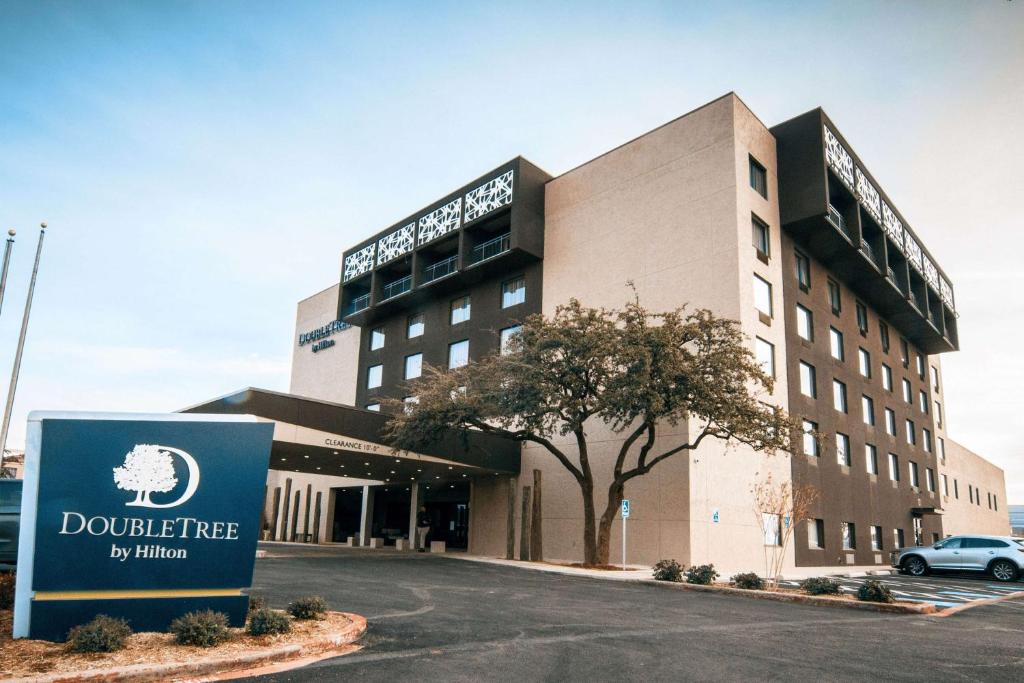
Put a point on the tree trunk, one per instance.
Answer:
(590, 555)
(604, 532)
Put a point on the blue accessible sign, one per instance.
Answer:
(143, 517)
(625, 508)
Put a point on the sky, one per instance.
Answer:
(203, 165)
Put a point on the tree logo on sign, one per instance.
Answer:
(149, 469)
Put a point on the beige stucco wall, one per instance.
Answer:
(329, 374)
(960, 516)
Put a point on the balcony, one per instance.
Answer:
(443, 268)
(358, 304)
(836, 218)
(869, 251)
(491, 248)
(399, 286)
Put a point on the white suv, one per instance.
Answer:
(1001, 556)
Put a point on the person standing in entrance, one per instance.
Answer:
(422, 529)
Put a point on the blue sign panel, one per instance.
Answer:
(161, 513)
(625, 508)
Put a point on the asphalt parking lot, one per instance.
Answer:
(941, 590)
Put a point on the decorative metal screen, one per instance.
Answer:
(838, 158)
(946, 292)
(440, 221)
(868, 195)
(892, 225)
(931, 275)
(492, 195)
(395, 244)
(912, 250)
(359, 262)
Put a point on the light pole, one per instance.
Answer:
(3, 287)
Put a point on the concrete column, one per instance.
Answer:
(366, 517)
(414, 509)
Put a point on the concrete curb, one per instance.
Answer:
(212, 666)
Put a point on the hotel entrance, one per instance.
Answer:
(448, 508)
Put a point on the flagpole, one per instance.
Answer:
(21, 343)
(3, 287)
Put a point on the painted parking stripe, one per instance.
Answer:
(969, 595)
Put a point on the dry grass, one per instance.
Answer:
(29, 657)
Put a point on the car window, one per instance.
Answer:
(999, 544)
(981, 543)
(950, 544)
(1019, 541)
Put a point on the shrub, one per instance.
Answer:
(6, 590)
(205, 629)
(102, 634)
(668, 570)
(749, 581)
(704, 574)
(263, 622)
(874, 591)
(821, 585)
(256, 603)
(310, 607)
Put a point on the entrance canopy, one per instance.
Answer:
(318, 437)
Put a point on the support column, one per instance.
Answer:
(276, 514)
(287, 501)
(524, 526)
(510, 532)
(366, 517)
(414, 511)
(316, 519)
(536, 522)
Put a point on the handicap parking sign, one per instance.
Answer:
(625, 509)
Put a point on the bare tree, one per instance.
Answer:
(778, 507)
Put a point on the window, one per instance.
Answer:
(375, 407)
(808, 383)
(995, 502)
(763, 296)
(911, 433)
(929, 478)
(914, 477)
(894, 467)
(815, 533)
(942, 449)
(772, 524)
(897, 536)
(883, 335)
(862, 318)
(920, 366)
(811, 438)
(956, 489)
(507, 336)
(761, 237)
(843, 449)
(804, 323)
(871, 458)
(890, 422)
(917, 531)
(922, 399)
(938, 415)
(458, 354)
(758, 178)
(935, 379)
(414, 326)
(886, 377)
(867, 406)
(374, 373)
(970, 493)
(803, 272)
(765, 352)
(945, 485)
(876, 538)
(907, 392)
(904, 353)
(835, 341)
(833, 297)
(926, 439)
(864, 361)
(376, 338)
(460, 310)
(513, 292)
(839, 396)
(413, 366)
(849, 530)
(410, 402)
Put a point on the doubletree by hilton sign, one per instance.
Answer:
(319, 337)
(144, 517)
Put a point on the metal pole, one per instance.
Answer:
(21, 341)
(3, 286)
(624, 543)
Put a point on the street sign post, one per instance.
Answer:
(625, 516)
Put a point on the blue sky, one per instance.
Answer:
(202, 165)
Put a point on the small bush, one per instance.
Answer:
(875, 591)
(821, 585)
(205, 629)
(256, 603)
(668, 570)
(749, 581)
(102, 634)
(704, 574)
(310, 607)
(263, 622)
(6, 590)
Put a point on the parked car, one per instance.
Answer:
(10, 517)
(1000, 556)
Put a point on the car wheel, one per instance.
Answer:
(915, 566)
(1003, 570)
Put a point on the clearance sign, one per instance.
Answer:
(143, 517)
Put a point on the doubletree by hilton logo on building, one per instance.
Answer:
(318, 337)
(149, 469)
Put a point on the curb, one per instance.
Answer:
(194, 668)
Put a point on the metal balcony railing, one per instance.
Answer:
(491, 248)
(913, 299)
(358, 304)
(438, 270)
(399, 286)
(868, 250)
(837, 219)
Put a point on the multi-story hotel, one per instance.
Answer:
(783, 229)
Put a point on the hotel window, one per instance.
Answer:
(808, 383)
(458, 354)
(811, 438)
(833, 297)
(920, 366)
(923, 401)
(935, 379)
(871, 458)
(942, 449)
(908, 396)
(890, 422)
(904, 353)
(988, 497)
(507, 336)
(409, 402)
(897, 535)
(926, 439)
(835, 342)
(956, 489)
(862, 318)
(883, 335)
(815, 533)
(867, 406)
(804, 323)
(929, 478)
(886, 377)
(843, 449)
(374, 373)
(864, 360)
(839, 396)
(917, 531)
(995, 502)
(758, 178)
(772, 525)
(414, 326)
(374, 407)
(938, 415)
(849, 530)
(513, 292)
(945, 485)
(894, 467)
(914, 481)
(765, 352)
(761, 237)
(970, 493)
(763, 296)
(876, 538)
(413, 366)
(376, 338)
(460, 310)
(803, 272)
(911, 432)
